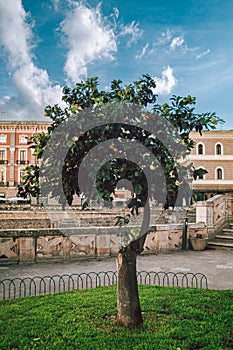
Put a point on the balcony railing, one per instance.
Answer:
(22, 162)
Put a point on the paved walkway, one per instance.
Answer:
(217, 265)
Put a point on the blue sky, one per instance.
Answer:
(186, 45)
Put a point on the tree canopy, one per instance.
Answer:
(116, 103)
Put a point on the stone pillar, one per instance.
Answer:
(27, 250)
(103, 245)
(12, 167)
(12, 158)
(213, 213)
(205, 212)
(66, 244)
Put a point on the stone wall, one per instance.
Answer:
(19, 218)
(24, 223)
(49, 244)
(31, 235)
(37, 217)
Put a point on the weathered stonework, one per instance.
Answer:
(31, 244)
(9, 248)
(27, 251)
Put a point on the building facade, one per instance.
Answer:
(15, 152)
(213, 152)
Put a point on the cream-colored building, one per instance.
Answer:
(214, 153)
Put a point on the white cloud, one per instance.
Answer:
(165, 84)
(4, 100)
(88, 38)
(115, 12)
(203, 54)
(165, 37)
(143, 52)
(171, 40)
(176, 42)
(15, 33)
(132, 30)
(56, 4)
(33, 86)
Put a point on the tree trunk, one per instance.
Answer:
(128, 305)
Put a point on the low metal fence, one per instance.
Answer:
(22, 287)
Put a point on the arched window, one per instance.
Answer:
(201, 176)
(219, 174)
(218, 149)
(200, 148)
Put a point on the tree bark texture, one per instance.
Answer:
(128, 304)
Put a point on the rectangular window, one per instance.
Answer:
(2, 154)
(23, 139)
(2, 138)
(22, 155)
(2, 177)
(21, 175)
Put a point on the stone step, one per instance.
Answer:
(66, 223)
(224, 237)
(229, 230)
(223, 240)
(220, 245)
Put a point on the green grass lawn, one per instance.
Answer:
(173, 319)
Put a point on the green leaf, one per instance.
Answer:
(138, 189)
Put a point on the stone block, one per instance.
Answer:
(115, 243)
(27, 251)
(82, 246)
(9, 248)
(103, 245)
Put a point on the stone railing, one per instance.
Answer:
(49, 244)
(215, 213)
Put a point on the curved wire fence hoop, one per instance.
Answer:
(29, 286)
